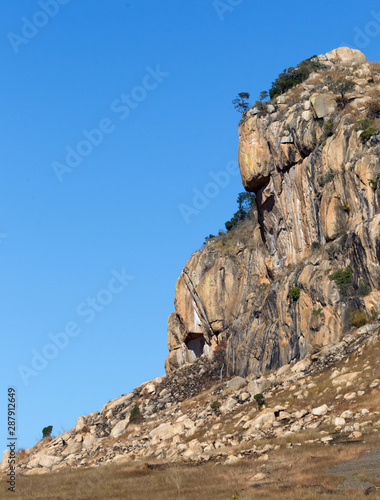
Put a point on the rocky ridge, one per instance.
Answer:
(265, 289)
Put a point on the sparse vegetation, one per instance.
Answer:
(344, 281)
(363, 288)
(373, 109)
(373, 183)
(368, 133)
(373, 315)
(363, 124)
(328, 177)
(291, 77)
(245, 203)
(358, 319)
(317, 312)
(215, 405)
(368, 128)
(135, 415)
(209, 238)
(315, 245)
(295, 292)
(328, 128)
(342, 87)
(260, 400)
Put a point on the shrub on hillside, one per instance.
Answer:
(291, 77)
(46, 431)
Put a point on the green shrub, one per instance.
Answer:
(295, 292)
(315, 245)
(208, 238)
(291, 77)
(344, 281)
(215, 405)
(324, 144)
(358, 319)
(259, 398)
(328, 128)
(317, 312)
(364, 288)
(363, 124)
(46, 431)
(373, 183)
(368, 133)
(135, 415)
(373, 315)
(346, 206)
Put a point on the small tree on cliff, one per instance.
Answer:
(245, 203)
(46, 431)
(241, 103)
(342, 87)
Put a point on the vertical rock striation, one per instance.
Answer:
(264, 292)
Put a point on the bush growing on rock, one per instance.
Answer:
(291, 77)
(358, 319)
(259, 398)
(295, 292)
(344, 281)
(46, 431)
(135, 415)
(215, 405)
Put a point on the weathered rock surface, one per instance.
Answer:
(317, 213)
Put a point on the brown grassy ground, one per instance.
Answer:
(291, 473)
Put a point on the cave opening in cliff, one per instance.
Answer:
(196, 344)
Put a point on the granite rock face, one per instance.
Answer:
(263, 293)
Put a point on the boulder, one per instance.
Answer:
(324, 105)
(119, 428)
(321, 410)
(236, 383)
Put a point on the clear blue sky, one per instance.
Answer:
(66, 233)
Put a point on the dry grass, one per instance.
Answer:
(227, 243)
(291, 473)
(374, 66)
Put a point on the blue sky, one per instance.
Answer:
(91, 245)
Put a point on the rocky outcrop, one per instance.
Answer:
(264, 292)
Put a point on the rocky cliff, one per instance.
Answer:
(304, 269)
